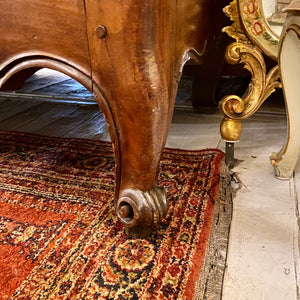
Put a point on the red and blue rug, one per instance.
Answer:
(60, 237)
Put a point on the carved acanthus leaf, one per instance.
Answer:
(261, 86)
(235, 30)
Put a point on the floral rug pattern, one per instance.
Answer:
(60, 237)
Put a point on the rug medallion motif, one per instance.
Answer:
(60, 237)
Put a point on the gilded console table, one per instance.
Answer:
(255, 37)
(130, 54)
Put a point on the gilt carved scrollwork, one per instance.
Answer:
(261, 86)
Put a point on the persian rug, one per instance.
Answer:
(60, 237)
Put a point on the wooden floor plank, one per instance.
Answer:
(91, 127)
(194, 131)
(75, 123)
(34, 118)
(9, 108)
(48, 82)
(42, 79)
(68, 88)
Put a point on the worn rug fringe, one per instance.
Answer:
(210, 282)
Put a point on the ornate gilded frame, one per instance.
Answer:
(253, 38)
(257, 28)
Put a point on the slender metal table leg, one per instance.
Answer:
(229, 154)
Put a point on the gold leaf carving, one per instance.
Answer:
(261, 86)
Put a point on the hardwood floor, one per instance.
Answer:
(263, 255)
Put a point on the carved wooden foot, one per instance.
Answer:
(139, 211)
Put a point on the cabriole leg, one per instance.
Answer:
(139, 127)
(289, 61)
